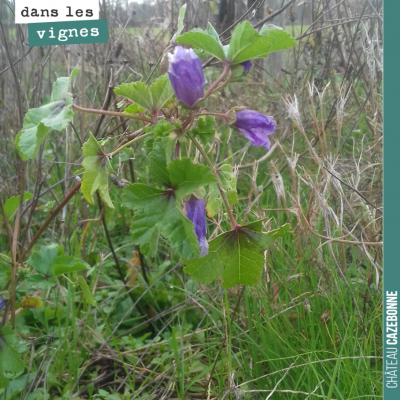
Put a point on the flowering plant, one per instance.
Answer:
(183, 192)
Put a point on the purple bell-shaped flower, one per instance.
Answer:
(2, 302)
(186, 75)
(246, 65)
(255, 126)
(196, 212)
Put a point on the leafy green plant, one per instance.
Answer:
(175, 121)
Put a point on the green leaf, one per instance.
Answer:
(151, 98)
(43, 261)
(87, 295)
(228, 183)
(11, 205)
(181, 17)
(205, 40)
(40, 282)
(238, 255)
(65, 264)
(97, 168)
(163, 128)
(158, 162)
(246, 43)
(161, 92)
(145, 233)
(205, 129)
(180, 232)
(38, 121)
(133, 109)
(157, 210)
(61, 86)
(10, 359)
(127, 154)
(138, 92)
(186, 177)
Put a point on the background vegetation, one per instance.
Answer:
(142, 329)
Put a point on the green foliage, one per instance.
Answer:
(133, 109)
(38, 121)
(158, 161)
(228, 183)
(97, 167)
(10, 360)
(181, 17)
(246, 43)
(205, 40)
(186, 177)
(87, 295)
(151, 98)
(237, 255)
(66, 264)
(204, 129)
(158, 211)
(11, 205)
(49, 262)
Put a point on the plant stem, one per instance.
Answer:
(50, 218)
(223, 195)
(112, 113)
(212, 88)
(223, 341)
(136, 139)
(222, 115)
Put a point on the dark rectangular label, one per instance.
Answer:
(68, 32)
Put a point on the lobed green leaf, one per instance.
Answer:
(97, 168)
(38, 121)
(237, 255)
(246, 43)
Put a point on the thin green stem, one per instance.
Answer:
(112, 113)
(222, 115)
(129, 143)
(223, 195)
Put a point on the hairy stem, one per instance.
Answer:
(136, 139)
(112, 113)
(223, 195)
(214, 86)
(50, 218)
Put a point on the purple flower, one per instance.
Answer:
(246, 66)
(186, 75)
(2, 302)
(256, 127)
(196, 212)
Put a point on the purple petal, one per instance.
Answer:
(256, 127)
(196, 212)
(2, 302)
(246, 66)
(186, 75)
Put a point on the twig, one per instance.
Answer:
(223, 342)
(50, 218)
(307, 364)
(355, 190)
(112, 113)
(223, 195)
(330, 239)
(280, 380)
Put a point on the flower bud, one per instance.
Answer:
(256, 127)
(196, 212)
(246, 66)
(3, 302)
(186, 75)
